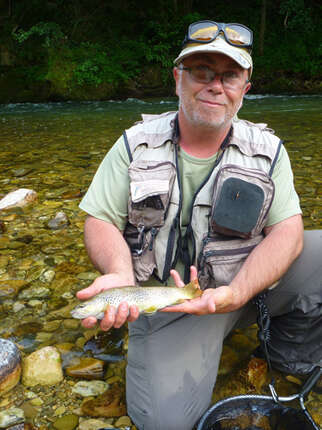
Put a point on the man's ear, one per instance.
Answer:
(247, 87)
(176, 77)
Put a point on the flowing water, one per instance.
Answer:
(55, 149)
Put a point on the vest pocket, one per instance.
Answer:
(242, 199)
(142, 250)
(151, 185)
(220, 259)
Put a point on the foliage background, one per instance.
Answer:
(97, 49)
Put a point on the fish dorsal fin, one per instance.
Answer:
(194, 288)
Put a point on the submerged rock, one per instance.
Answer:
(11, 416)
(87, 368)
(109, 404)
(60, 221)
(42, 367)
(90, 388)
(67, 422)
(20, 197)
(94, 424)
(10, 288)
(10, 365)
(257, 373)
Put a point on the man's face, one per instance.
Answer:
(211, 105)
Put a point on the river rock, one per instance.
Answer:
(11, 416)
(87, 368)
(20, 197)
(90, 388)
(67, 422)
(10, 365)
(123, 421)
(34, 293)
(60, 221)
(93, 424)
(11, 287)
(42, 367)
(257, 373)
(109, 404)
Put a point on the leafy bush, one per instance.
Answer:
(50, 31)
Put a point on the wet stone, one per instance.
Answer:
(10, 365)
(87, 368)
(59, 222)
(23, 171)
(67, 422)
(20, 197)
(94, 424)
(34, 293)
(11, 416)
(42, 367)
(257, 373)
(10, 288)
(27, 328)
(90, 388)
(109, 404)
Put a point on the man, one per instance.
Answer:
(212, 197)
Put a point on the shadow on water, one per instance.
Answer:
(55, 149)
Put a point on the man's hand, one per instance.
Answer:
(213, 300)
(114, 317)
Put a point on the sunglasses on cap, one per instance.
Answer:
(206, 31)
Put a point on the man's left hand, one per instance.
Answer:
(213, 300)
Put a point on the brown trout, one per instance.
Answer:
(147, 299)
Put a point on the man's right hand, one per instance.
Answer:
(113, 317)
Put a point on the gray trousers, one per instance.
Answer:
(173, 358)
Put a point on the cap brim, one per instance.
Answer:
(218, 46)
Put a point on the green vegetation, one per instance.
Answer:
(81, 49)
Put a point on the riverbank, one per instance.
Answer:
(16, 88)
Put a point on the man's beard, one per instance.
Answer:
(200, 119)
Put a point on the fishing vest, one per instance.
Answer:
(228, 211)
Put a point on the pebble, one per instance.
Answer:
(47, 277)
(10, 365)
(87, 276)
(34, 293)
(18, 306)
(67, 422)
(90, 388)
(93, 424)
(123, 422)
(42, 367)
(59, 222)
(20, 197)
(11, 416)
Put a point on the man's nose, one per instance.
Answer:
(216, 83)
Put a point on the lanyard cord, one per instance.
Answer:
(263, 321)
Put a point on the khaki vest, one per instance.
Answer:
(153, 230)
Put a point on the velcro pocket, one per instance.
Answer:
(151, 184)
(221, 259)
(242, 198)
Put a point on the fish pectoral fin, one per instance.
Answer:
(150, 310)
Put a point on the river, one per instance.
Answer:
(54, 149)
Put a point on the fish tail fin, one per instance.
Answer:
(193, 288)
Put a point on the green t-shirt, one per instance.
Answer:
(108, 194)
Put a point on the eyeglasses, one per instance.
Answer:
(205, 75)
(206, 31)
